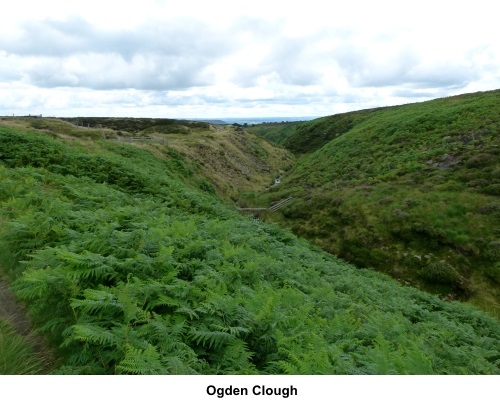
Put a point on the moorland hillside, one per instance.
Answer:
(129, 263)
(412, 191)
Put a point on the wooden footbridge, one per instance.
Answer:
(272, 208)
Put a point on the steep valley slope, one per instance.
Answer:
(412, 191)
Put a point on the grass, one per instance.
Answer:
(16, 355)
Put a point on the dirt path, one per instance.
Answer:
(14, 312)
(11, 310)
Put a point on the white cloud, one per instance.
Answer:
(226, 58)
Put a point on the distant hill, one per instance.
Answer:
(215, 122)
(253, 121)
(410, 190)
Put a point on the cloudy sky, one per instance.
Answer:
(194, 59)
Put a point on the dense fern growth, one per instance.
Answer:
(410, 190)
(129, 270)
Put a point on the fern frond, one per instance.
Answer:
(235, 331)
(176, 365)
(53, 325)
(163, 301)
(185, 310)
(212, 339)
(98, 301)
(92, 334)
(160, 327)
(141, 362)
(88, 266)
(288, 368)
(236, 359)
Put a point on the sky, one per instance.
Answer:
(217, 58)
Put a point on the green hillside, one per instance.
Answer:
(412, 191)
(127, 266)
(230, 159)
(313, 135)
(277, 133)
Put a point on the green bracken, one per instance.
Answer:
(128, 265)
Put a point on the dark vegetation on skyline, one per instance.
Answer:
(135, 124)
(143, 125)
(129, 263)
